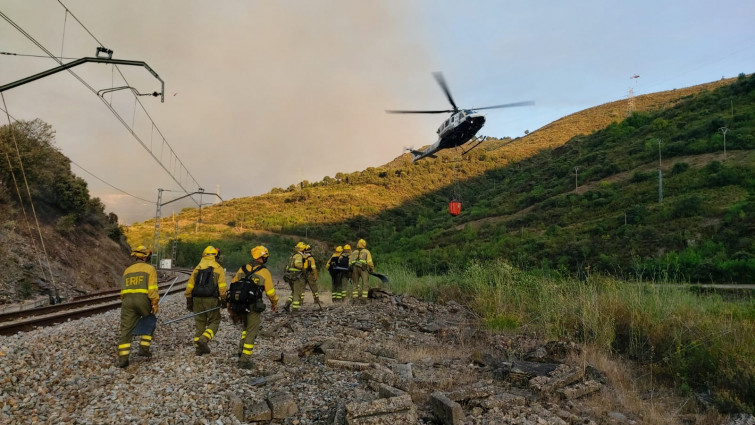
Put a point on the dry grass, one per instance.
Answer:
(631, 389)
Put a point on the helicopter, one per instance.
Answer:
(458, 129)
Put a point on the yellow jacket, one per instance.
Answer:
(260, 276)
(217, 270)
(140, 278)
(361, 258)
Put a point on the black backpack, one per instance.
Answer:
(343, 263)
(333, 264)
(244, 295)
(204, 284)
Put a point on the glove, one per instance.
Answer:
(155, 307)
(222, 303)
(190, 304)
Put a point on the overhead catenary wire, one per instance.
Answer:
(137, 101)
(110, 107)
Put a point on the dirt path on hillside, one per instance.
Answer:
(695, 161)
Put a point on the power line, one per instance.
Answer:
(112, 110)
(103, 181)
(25, 55)
(10, 117)
(136, 98)
(28, 192)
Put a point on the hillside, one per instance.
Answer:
(401, 204)
(85, 247)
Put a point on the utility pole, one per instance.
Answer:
(576, 186)
(158, 218)
(724, 130)
(660, 174)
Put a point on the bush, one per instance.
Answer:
(66, 223)
(679, 168)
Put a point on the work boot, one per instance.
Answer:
(202, 346)
(144, 351)
(287, 307)
(123, 361)
(245, 362)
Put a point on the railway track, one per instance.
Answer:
(88, 305)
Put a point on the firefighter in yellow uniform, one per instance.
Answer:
(251, 319)
(361, 263)
(310, 276)
(335, 275)
(139, 298)
(206, 290)
(294, 276)
(343, 266)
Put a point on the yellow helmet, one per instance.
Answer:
(339, 249)
(300, 246)
(210, 251)
(362, 244)
(307, 248)
(260, 252)
(141, 252)
(347, 247)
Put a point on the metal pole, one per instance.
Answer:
(188, 316)
(724, 130)
(168, 291)
(660, 174)
(156, 236)
(576, 186)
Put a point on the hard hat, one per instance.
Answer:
(300, 246)
(141, 252)
(347, 247)
(339, 249)
(362, 244)
(307, 248)
(210, 251)
(260, 252)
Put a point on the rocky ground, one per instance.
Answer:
(395, 360)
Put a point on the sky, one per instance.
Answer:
(262, 94)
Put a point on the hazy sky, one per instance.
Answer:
(263, 94)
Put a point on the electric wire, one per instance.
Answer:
(26, 55)
(112, 110)
(137, 101)
(87, 171)
(63, 39)
(103, 181)
(28, 192)
(21, 204)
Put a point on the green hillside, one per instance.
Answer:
(520, 201)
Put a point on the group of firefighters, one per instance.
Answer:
(347, 269)
(206, 292)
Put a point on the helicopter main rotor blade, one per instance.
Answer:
(442, 81)
(419, 112)
(507, 105)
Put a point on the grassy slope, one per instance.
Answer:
(402, 202)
